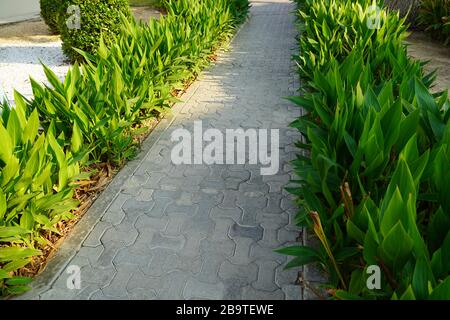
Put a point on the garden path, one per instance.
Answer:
(421, 47)
(165, 231)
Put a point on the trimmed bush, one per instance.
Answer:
(98, 18)
(50, 12)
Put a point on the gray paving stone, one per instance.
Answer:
(175, 243)
(242, 252)
(249, 216)
(180, 262)
(93, 240)
(145, 222)
(145, 194)
(224, 247)
(101, 276)
(124, 232)
(86, 292)
(156, 266)
(142, 294)
(107, 256)
(285, 277)
(174, 283)
(206, 231)
(114, 217)
(293, 292)
(232, 213)
(117, 288)
(210, 267)
(175, 209)
(255, 233)
(229, 200)
(233, 289)
(129, 256)
(250, 293)
(266, 276)
(200, 290)
(90, 253)
(133, 208)
(246, 273)
(263, 253)
(57, 294)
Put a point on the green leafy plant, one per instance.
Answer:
(434, 16)
(104, 100)
(97, 18)
(371, 187)
(36, 187)
(51, 13)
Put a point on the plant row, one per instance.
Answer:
(94, 116)
(434, 16)
(372, 179)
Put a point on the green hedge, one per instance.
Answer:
(50, 12)
(94, 116)
(371, 184)
(98, 18)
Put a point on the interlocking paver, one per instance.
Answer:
(207, 231)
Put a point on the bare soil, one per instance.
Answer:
(422, 47)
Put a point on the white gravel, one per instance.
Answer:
(21, 60)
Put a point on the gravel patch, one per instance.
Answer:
(20, 61)
(24, 45)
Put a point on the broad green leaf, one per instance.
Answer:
(408, 294)
(13, 253)
(27, 221)
(16, 264)
(16, 290)
(18, 281)
(3, 205)
(442, 291)
(396, 247)
(421, 277)
(31, 128)
(6, 151)
(299, 251)
(4, 274)
(12, 231)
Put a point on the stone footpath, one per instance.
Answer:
(170, 231)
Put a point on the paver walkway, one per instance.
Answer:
(199, 231)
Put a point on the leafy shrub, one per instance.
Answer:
(134, 78)
(35, 190)
(434, 16)
(98, 18)
(51, 12)
(377, 140)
